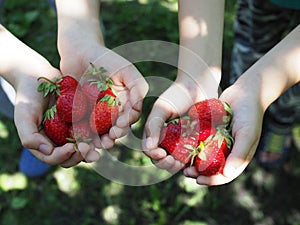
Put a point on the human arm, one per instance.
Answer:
(249, 98)
(21, 66)
(80, 42)
(199, 72)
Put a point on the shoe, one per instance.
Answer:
(273, 149)
(31, 166)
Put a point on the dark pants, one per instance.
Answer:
(259, 26)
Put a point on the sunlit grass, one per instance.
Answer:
(3, 130)
(111, 214)
(17, 181)
(66, 180)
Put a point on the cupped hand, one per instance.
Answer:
(29, 109)
(129, 84)
(246, 130)
(172, 103)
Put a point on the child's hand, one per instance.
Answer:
(174, 102)
(247, 123)
(129, 84)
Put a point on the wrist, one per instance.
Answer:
(202, 84)
(78, 20)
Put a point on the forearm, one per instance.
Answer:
(201, 35)
(78, 19)
(275, 72)
(18, 61)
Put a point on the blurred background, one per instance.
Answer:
(80, 196)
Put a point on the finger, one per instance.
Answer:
(137, 93)
(73, 160)
(166, 163)
(153, 127)
(242, 152)
(58, 155)
(177, 166)
(213, 180)
(106, 142)
(30, 137)
(190, 172)
(135, 83)
(97, 142)
(117, 132)
(153, 153)
(92, 156)
(88, 152)
(156, 154)
(128, 116)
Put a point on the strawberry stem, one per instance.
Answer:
(46, 79)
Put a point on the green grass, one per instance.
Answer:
(80, 196)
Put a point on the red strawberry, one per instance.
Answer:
(58, 86)
(98, 85)
(206, 133)
(71, 107)
(180, 139)
(212, 154)
(210, 113)
(170, 135)
(80, 132)
(56, 129)
(95, 92)
(104, 115)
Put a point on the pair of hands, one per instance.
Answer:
(30, 104)
(132, 88)
(247, 125)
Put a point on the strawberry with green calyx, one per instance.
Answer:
(80, 132)
(211, 112)
(98, 85)
(58, 85)
(104, 115)
(55, 128)
(211, 154)
(179, 137)
(71, 106)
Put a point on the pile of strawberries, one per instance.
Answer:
(79, 111)
(202, 138)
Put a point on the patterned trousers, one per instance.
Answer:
(259, 26)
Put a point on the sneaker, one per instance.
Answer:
(274, 146)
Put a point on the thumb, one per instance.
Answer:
(32, 138)
(242, 153)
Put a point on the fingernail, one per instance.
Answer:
(45, 149)
(149, 143)
(138, 106)
(228, 171)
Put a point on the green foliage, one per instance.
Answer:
(34, 22)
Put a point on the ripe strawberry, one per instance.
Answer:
(71, 107)
(95, 92)
(212, 154)
(80, 132)
(58, 86)
(180, 139)
(98, 85)
(206, 133)
(210, 113)
(170, 135)
(56, 129)
(104, 115)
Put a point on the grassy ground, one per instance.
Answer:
(80, 196)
